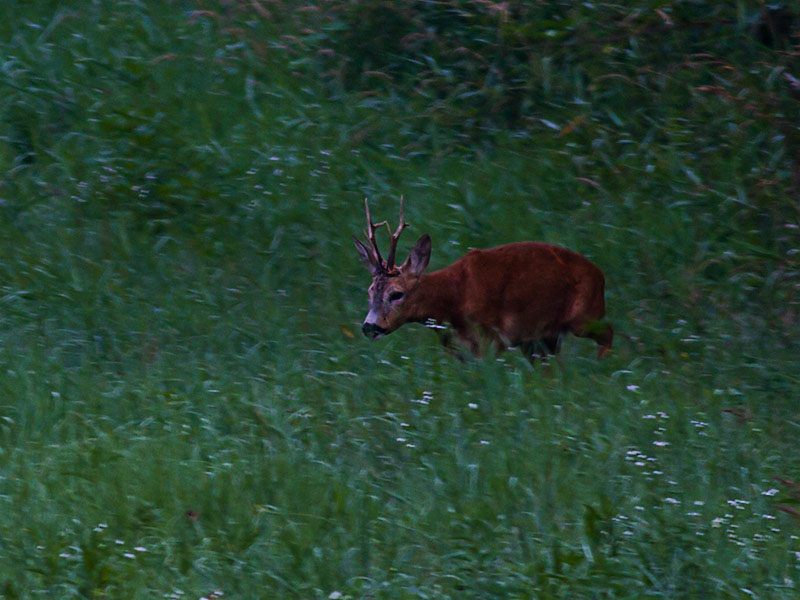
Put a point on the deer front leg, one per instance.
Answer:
(447, 339)
(469, 337)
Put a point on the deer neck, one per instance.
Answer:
(436, 297)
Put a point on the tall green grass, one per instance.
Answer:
(188, 406)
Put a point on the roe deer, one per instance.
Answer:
(525, 294)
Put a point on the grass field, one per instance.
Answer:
(188, 408)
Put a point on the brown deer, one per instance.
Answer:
(525, 294)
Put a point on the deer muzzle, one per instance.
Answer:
(373, 330)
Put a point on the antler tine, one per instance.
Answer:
(395, 236)
(371, 227)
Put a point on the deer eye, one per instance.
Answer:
(395, 296)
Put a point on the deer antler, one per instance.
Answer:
(388, 264)
(371, 227)
(395, 236)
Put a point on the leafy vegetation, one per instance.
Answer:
(188, 407)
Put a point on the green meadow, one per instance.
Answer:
(188, 408)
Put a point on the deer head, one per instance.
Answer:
(391, 295)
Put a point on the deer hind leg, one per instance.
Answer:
(599, 331)
(531, 351)
(553, 343)
(541, 349)
(583, 319)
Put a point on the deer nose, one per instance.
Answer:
(372, 330)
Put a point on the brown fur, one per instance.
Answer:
(525, 294)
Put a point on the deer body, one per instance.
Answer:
(525, 294)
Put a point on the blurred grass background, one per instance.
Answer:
(188, 407)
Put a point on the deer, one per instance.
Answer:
(523, 294)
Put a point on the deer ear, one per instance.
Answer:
(367, 257)
(420, 256)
